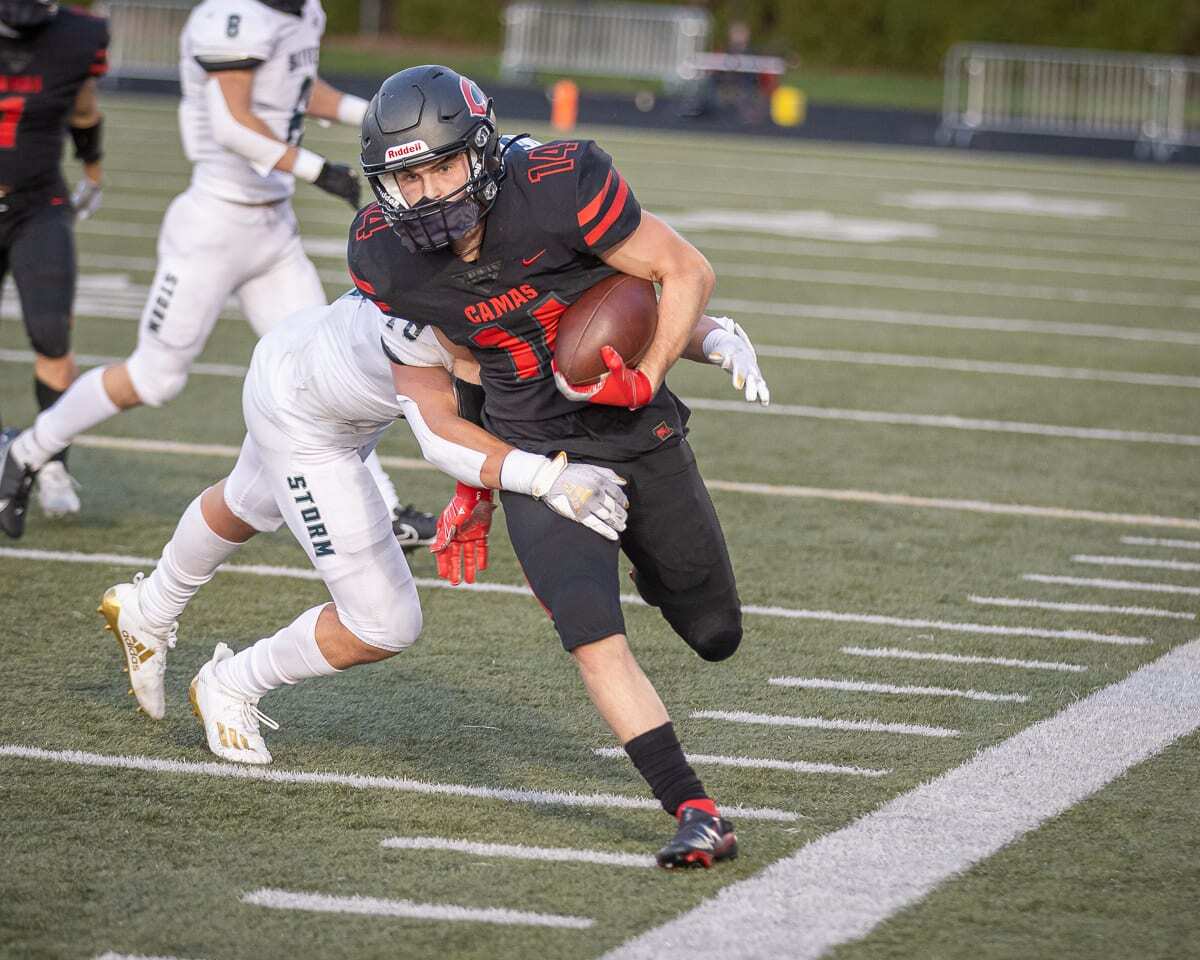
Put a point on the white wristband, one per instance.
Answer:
(351, 110)
(711, 339)
(307, 165)
(519, 471)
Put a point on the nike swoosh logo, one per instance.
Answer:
(528, 261)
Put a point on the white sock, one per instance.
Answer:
(188, 562)
(85, 404)
(288, 657)
(386, 488)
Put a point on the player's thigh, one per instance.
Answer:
(200, 256)
(571, 570)
(673, 537)
(288, 283)
(42, 258)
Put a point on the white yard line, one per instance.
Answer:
(1008, 291)
(1161, 542)
(629, 599)
(113, 955)
(915, 623)
(1180, 565)
(1081, 607)
(961, 365)
(407, 909)
(931, 253)
(893, 653)
(520, 852)
(838, 888)
(761, 763)
(822, 723)
(945, 422)
(859, 686)
(1140, 585)
(728, 486)
(357, 781)
(908, 318)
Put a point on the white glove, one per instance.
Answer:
(584, 493)
(730, 349)
(85, 198)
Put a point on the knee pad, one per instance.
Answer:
(380, 606)
(713, 628)
(395, 627)
(156, 382)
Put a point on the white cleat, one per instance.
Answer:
(144, 648)
(230, 719)
(56, 490)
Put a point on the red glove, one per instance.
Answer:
(460, 544)
(620, 387)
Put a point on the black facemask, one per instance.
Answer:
(433, 224)
(26, 16)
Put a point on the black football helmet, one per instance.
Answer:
(423, 114)
(27, 15)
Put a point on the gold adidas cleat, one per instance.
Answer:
(143, 647)
(230, 719)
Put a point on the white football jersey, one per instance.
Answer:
(240, 34)
(323, 368)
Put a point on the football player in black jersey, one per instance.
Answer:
(489, 247)
(49, 62)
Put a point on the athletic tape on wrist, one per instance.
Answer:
(519, 473)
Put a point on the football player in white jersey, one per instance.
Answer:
(318, 394)
(248, 70)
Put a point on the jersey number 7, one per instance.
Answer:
(11, 109)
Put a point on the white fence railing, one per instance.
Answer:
(145, 37)
(640, 41)
(1151, 99)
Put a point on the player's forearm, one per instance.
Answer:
(695, 346)
(680, 308)
(329, 103)
(456, 446)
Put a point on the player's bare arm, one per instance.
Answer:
(326, 102)
(656, 252)
(723, 342)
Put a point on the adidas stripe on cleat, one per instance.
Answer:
(143, 647)
(700, 841)
(230, 719)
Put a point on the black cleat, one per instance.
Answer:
(16, 482)
(700, 841)
(412, 527)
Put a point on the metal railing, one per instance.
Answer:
(634, 40)
(1150, 99)
(145, 37)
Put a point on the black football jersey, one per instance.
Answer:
(559, 207)
(40, 77)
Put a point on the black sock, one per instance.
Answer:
(46, 395)
(659, 759)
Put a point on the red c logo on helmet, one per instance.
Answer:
(476, 101)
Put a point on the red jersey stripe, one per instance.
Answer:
(614, 211)
(588, 213)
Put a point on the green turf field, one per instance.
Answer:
(985, 378)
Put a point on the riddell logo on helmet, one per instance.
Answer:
(405, 150)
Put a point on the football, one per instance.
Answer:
(620, 311)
